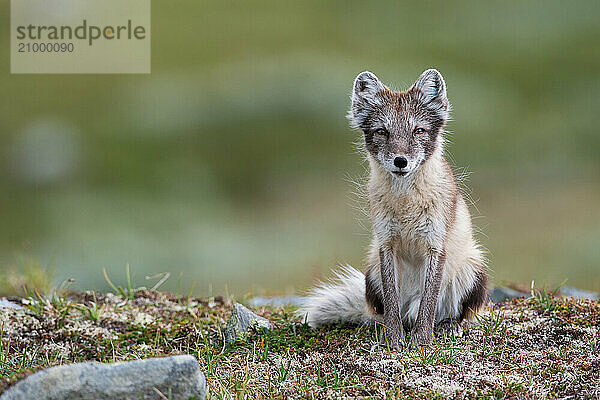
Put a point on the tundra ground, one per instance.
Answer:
(542, 347)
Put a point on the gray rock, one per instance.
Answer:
(500, 294)
(275, 301)
(569, 291)
(177, 378)
(242, 321)
(5, 303)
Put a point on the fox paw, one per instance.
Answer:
(391, 342)
(420, 339)
(449, 328)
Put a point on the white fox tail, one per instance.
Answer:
(342, 299)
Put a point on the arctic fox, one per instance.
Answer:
(424, 267)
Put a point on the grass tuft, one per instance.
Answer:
(544, 298)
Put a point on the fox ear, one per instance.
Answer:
(364, 97)
(430, 89)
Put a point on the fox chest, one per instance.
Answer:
(411, 229)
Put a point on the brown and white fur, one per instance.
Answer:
(424, 267)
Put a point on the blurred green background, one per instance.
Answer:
(231, 164)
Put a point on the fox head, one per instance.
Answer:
(401, 129)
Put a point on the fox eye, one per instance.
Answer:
(381, 131)
(419, 131)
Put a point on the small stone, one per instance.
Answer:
(176, 378)
(5, 303)
(242, 321)
(569, 291)
(500, 294)
(281, 301)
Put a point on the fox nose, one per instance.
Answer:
(400, 162)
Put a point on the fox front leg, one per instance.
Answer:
(422, 333)
(393, 331)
